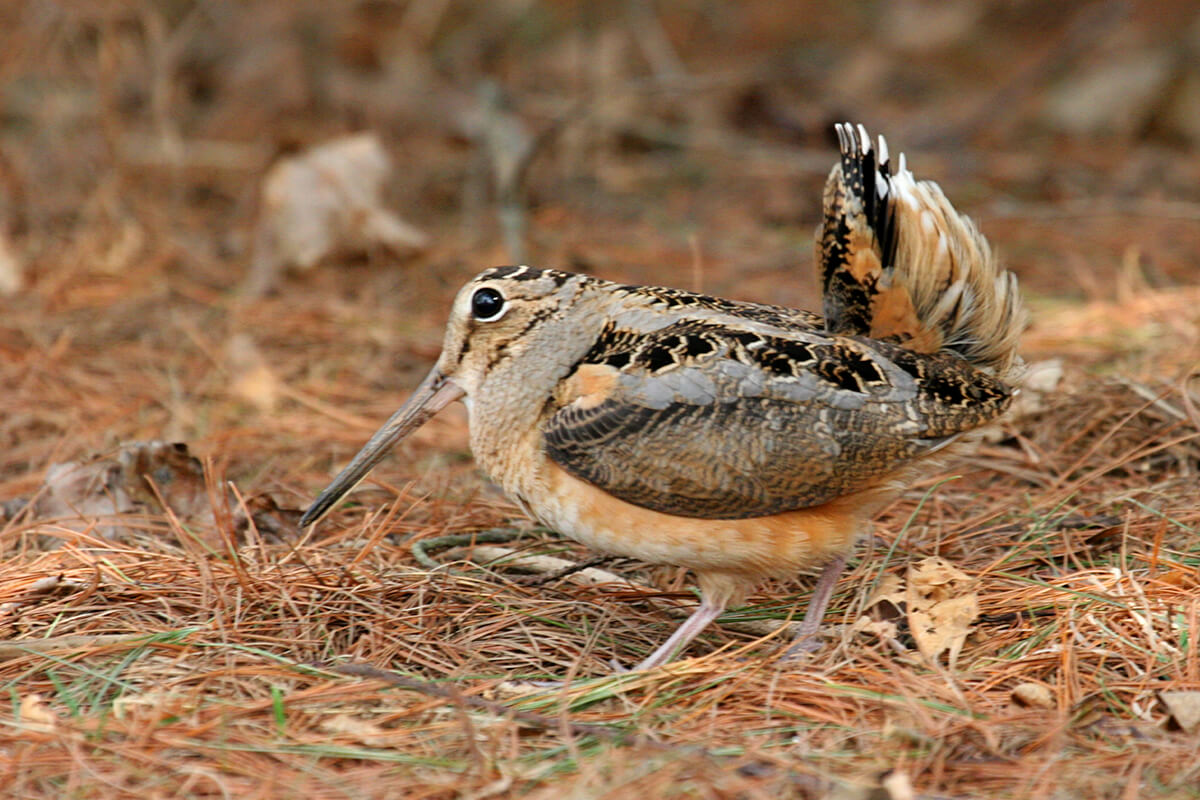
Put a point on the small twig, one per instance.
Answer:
(549, 567)
(565, 572)
(420, 549)
(17, 648)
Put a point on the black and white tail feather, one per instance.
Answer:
(899, 262)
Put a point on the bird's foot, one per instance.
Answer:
(804, 645)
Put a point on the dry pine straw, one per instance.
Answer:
(203, 665)
(172, 665)
(162, 665)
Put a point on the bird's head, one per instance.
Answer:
(503, 316)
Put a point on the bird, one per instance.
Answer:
(742, 440)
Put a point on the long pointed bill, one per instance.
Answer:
(435, 393)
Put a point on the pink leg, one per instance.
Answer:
(688, 630)
(806, 640)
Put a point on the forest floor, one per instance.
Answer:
(166, 631)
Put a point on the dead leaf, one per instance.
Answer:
(361, 730)
(12, 272)
(884, 630)
(888, 599)
(35, 714)
(32, 591)
(935, 579)
(326, 200)
(883, 610)
(897, 785)
(95, 494)
(941, 607)
(154, 699)
(1184, 708)
(167, 470)
(79, 493)
(253, 379)
(1032, 695)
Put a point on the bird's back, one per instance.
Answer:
(711, 408)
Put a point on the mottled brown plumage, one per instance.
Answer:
(741, 440)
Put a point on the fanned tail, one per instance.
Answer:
(899, 263)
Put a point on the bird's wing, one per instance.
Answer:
(722, 420)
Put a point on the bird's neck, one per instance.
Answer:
(507, 409)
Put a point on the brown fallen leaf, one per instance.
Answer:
(326, 200)
(23, 592)
(35, 714)
(160, 700)
(157, 471)
(942, 605)
(97, 495)
(1184, 708)
(253, 380)
(897, 785)
(360, 730)
(889, 598)
(12, 272)
(1032, 695)
(894, 784)
(80, 493)
(883, 611)
(881, 629)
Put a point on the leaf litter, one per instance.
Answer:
(165, 630)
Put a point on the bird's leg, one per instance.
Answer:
(806, 640)
(689, 629)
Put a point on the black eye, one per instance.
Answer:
(487, 304)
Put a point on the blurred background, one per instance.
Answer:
(239, 224)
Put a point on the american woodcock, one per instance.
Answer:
(741, 440)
